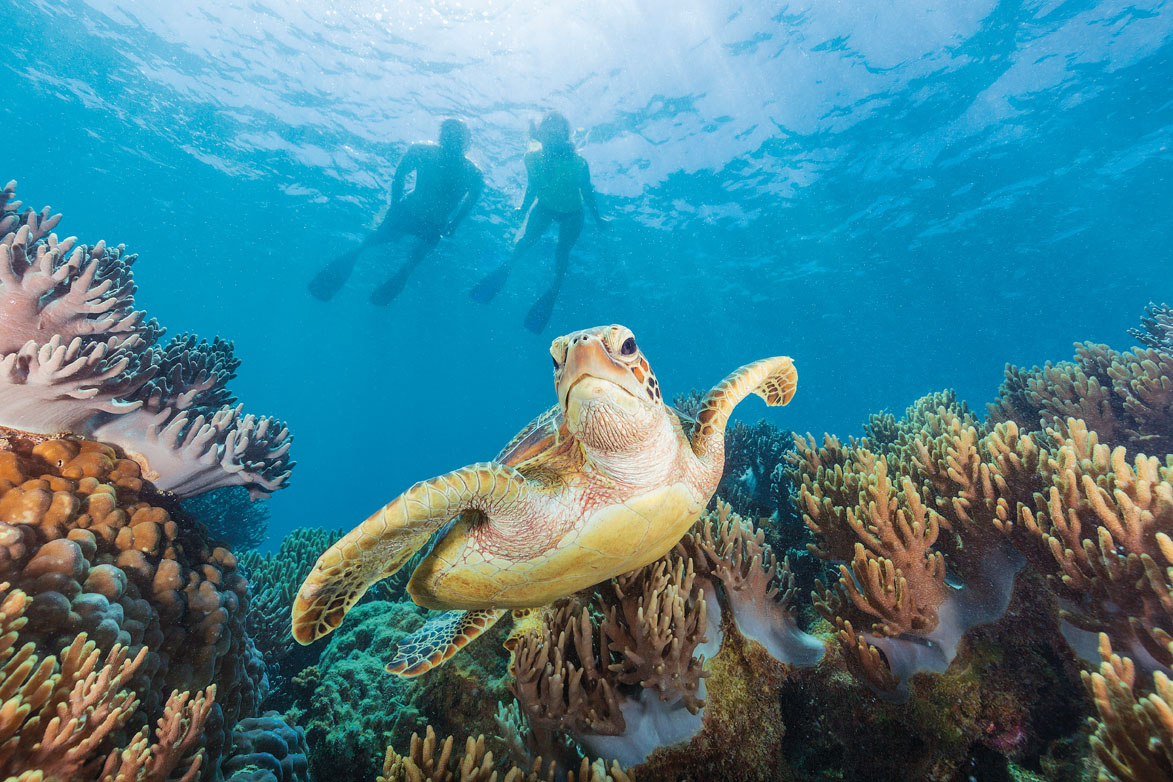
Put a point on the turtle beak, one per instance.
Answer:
(589, 367)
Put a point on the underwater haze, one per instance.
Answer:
(902, 196)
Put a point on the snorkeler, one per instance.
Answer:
(558, 184)
(444, 180)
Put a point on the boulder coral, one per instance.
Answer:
(77, 357)
(267, 749)
(98, 552)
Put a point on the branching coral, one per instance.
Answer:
(1133, 738)
(431, 760)
(1125, 398)
(1156, 329)
(76, 356)
(892, 596)
(559, 680)
(1106, 524)
(653, 627)
(80, 534)
(61, 718)
(733, 553)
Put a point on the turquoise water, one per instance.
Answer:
(901, 196)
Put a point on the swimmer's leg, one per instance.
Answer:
(569, 228)
(331, 277)
(387, 292)
(535, 225)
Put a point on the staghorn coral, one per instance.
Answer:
(431, 760)
(1133, 737)
(83, 536)
(231, 516)
(76, 356)
(63, 715)
(1156, 329)
(1125, 398)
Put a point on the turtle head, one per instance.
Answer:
(607, 392)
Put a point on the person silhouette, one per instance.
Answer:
(558, 185)
(445, 181)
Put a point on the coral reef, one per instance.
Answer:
(1125, 398)
(623, 674)
(352, 709)
(63, 714)
(77, 357)
(274, 579)
(231, 517)
(1133, 737)
(267, 749)
(1156, 328)
(430, 760)
(97, 552)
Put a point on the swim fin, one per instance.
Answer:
(386, 293)
(539, 314)
(487, 288)
(330, 279)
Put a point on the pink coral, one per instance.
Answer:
(76, 356)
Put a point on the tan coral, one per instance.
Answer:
(1133, 737)
(559, 681)
(58, 716)
(97, 553)
(431, 760)
(654, 627)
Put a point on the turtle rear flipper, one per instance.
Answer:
(441, 638)
(773, 379)
(384, 542)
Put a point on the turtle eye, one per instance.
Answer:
(628, 347)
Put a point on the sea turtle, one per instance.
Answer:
(605, 482)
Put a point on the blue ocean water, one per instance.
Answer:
(903, 196)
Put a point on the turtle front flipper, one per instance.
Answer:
(773, 379)
(440, 638)
(381, 545)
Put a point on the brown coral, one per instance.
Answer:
(430, 760)
(653, 628)
(87, 540)
(1133, 738)
(1125, 398)
(559, 680)
(59, 719)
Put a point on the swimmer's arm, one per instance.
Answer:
(410, 162)
(588, 195)
(476, 186)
